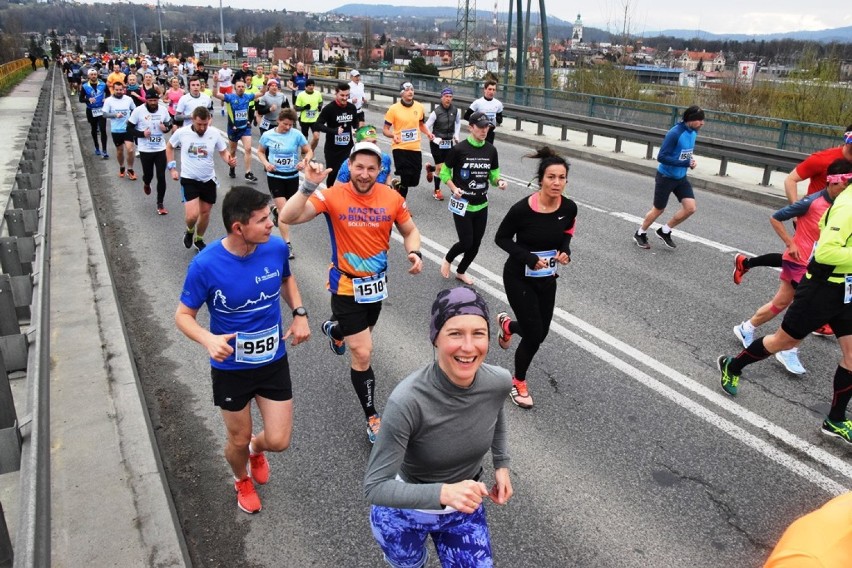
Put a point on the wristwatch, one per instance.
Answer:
(300, 311)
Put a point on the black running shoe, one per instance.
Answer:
(232, 173)
(200, 244)
(666, 238)
(187, 239)
(292, 254)
(250, 177)
(641, 240)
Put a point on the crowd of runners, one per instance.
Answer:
(424, 473)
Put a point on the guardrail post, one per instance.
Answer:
(564, 135)
(767, 171)
(10, 434)
(7, 555)
(618, 144)
(540, 130)
(518, 122)
(8, 319)
(723, 167)
(590, 138)
(591, 106)
(782, 135)
(649, 152)
(10, 259)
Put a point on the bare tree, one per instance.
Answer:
(368, 43)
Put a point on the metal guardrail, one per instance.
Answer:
(9, 71)
(770, 159)
(764, 131)
(25, 337)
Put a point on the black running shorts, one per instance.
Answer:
(286, 188)
(665, 186)
(194, 189)
(353, 317)
(232, 390)
(407, 164)
(815, 304)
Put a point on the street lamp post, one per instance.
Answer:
(160, 22)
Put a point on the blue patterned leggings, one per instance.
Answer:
(462, 540)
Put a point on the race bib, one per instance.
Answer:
(550, 270)
(847, 289)
(264, 124)
(685, 155)
(491, 116)
(97, 112)
(341, 139)
(445, 144)
(310, 114)
(408, 135)
(240, 115)
(370, 289)
(285, 162)
(457, 206)
(257, 347)
(155, 139)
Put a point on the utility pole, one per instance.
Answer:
(521, 60)
(221, 28)
(160, 22)
(508, 50)
(545, 45)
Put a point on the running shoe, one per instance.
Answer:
(438, 195)
(666, 238)
(273, 214)
(790, 360)
(223, 112)
(162, 210)
(430, 173)
(292, 254)
(743, 334)
(395, 184)
(232, 173)
(98, 152)
(250, 177)
(824, 331)
(146, 188)
(374, 424)
(105, 156)
(200, 244)
(641, 240)
(187, 238)
(739, 268)
(121, 172)
(247, 498)
(842, 430)
(259, 468)
(336, 345)
(504, 337)
(520, 395)
(730, 382)
(131, 174)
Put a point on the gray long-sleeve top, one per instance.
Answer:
(434, 432)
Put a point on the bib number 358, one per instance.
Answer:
(370, 289)
(257, 347)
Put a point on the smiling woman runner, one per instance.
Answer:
(424, 476)
(536, 233)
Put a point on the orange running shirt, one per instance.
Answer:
(406, 121)
(359, 227)
(822, 539)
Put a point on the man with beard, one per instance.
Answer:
(360, 216)
(152, 121)
(404, 121)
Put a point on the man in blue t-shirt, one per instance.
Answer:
(239, 125)
(242, 279)
(676, 158)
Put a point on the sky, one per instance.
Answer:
(719, 16)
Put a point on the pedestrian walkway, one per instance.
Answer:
(110, 504)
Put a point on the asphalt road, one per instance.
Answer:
(632, 455)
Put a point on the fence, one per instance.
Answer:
(24, 339)
(12, 71)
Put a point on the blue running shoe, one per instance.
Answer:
(744, 335)
(790, 360)
(336, 345)
(97, 151)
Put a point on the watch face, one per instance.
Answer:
(300, 312)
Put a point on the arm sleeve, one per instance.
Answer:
(505, 239)
(322, 120)
(468, 112)
(668, 150)
(500, 442)
(499, 117)
(796, 209)
(494, 176)
(457, 130)
(430, 122)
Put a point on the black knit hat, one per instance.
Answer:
(453, 302)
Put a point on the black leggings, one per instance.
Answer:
(97, 122)
(532, 301)
(151, 160)
(772, 259)
(470, 229)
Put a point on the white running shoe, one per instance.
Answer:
(743, 334)
(790, 360)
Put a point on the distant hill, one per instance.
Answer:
(841, 35)
(388, 11)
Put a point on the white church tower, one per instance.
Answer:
(577, 32)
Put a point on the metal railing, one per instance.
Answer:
(9, 72)
(25, 336)
(626, 125)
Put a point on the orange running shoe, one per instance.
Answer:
(520, 395)
(259, 468)
(824, 331)
(247, 498)
(131, 174)
(504, 337)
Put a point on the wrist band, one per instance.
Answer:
(308, 187)
(417, 252)
(171, 165)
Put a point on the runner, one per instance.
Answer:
(115, 77)
(243, 73)
(222, 84)
(240, 279)
(537, 233)
(425, 475)
(469, 167)
(808, 211)
(134, 90)
(278, 152)
(676, 158)
(117, 108)
(190, 101)
(298, 82)
(444, 123)
(823, 296)
(357, 97)
(270, 106)
(404, 123)
(171, 97)
(360, 215)
(93, 93)
(239, 127)
(309, 105)
(197, 142)
(366, 134)
(815, 167)
(202, 73)
(151, 122)
(337, 120)
(492, 108)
